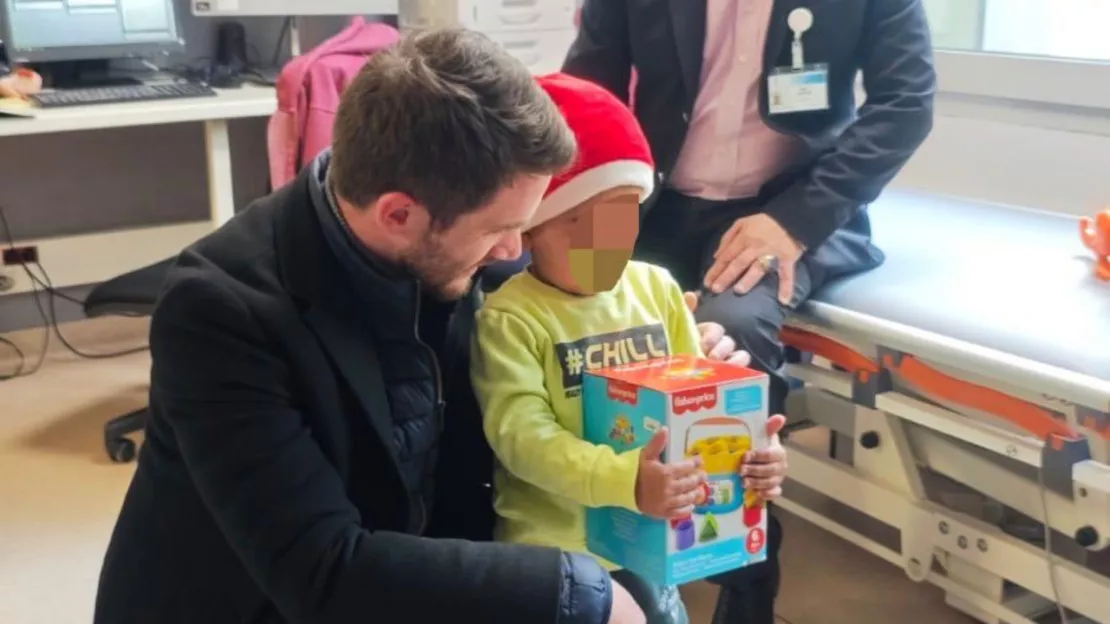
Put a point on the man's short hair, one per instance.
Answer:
(448, 117)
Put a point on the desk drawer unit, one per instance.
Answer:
(489, 16)
(542, 51)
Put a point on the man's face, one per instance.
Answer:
(585, 251)
(445, 260)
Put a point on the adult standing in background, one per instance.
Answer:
(764, 162)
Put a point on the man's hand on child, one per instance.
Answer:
(764, 470)
(666, 490)
(715, 344)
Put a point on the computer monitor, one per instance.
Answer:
(299, 8)
(55, 32)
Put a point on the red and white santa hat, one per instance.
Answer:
(612, 149)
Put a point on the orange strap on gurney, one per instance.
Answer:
(1038, 421)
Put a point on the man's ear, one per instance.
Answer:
(398, 213)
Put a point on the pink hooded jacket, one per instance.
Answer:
(308, 91)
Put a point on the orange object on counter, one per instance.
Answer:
(20, 83)
(1096, 236)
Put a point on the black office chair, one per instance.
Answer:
(131, 294)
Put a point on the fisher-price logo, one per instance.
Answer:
(755, 540)
(694, 400)
(623, 392)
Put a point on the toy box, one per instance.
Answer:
(712, 409)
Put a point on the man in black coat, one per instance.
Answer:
(764, 162)
(314, 454)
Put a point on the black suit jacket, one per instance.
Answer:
(265, 491)
(849, 158)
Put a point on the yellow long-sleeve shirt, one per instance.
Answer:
(532, 344)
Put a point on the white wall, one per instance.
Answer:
(1011, 128)
(1015, 153)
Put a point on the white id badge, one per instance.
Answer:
(798, 90)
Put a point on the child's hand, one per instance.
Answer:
(666, 490)
(764, 470)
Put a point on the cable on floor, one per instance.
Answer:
(1050, 558)
(48, 315)
(20, 356)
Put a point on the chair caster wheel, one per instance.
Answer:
(122, 450)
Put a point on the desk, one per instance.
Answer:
(248, 101)
(66, 258)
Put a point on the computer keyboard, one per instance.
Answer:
(127, 93)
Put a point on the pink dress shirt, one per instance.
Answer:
(729, 151)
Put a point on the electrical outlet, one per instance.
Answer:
(16, 256)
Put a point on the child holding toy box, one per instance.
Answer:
(581, 306)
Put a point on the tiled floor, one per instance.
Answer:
(59, 496)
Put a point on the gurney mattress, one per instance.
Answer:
(1008, 279)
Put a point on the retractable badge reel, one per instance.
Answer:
(800, 20)
(800, 87)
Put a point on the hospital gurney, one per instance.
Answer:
(966, 386)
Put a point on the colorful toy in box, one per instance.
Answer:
(721, 453)
(622, 430)
(713, 410)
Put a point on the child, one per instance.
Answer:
(581, 306)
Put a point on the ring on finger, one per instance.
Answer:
(768, 261)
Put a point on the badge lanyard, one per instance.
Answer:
(800, 20)
(801, 87)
